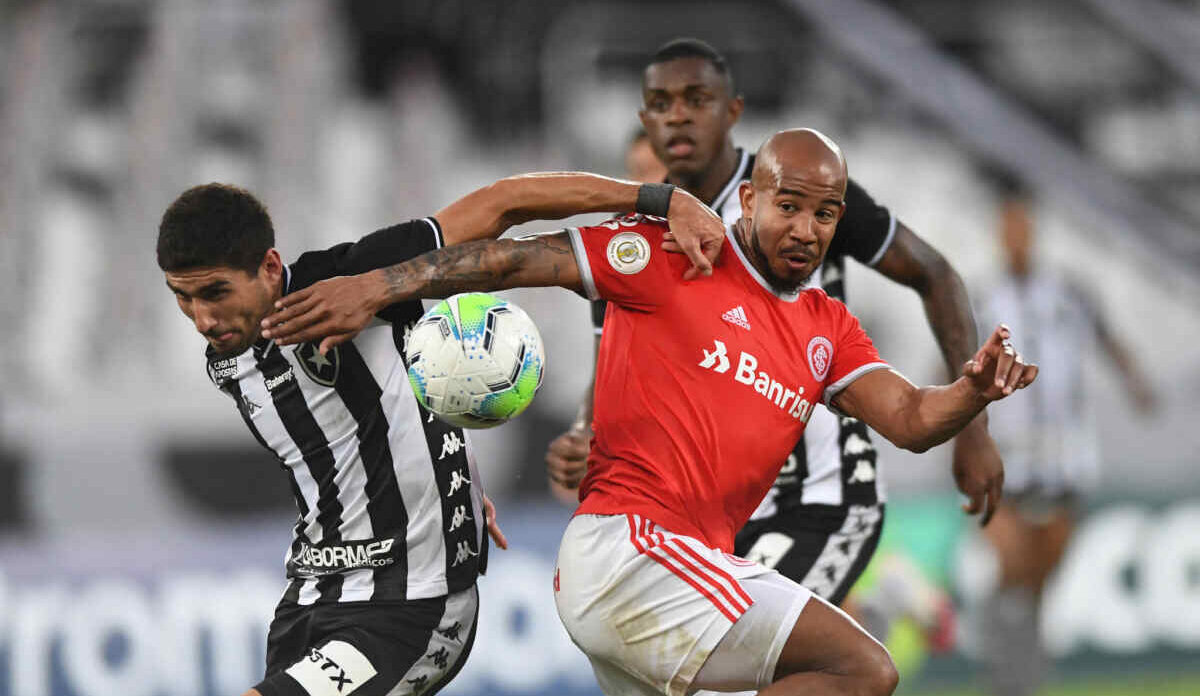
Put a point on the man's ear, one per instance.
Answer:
(272, 266)
(746, 196)
(736, 105)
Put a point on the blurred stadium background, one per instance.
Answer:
(141, 528)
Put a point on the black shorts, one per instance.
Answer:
(823, 547)
(369, 648)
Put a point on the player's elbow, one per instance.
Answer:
(917, 446)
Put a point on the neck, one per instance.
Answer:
(707, 184)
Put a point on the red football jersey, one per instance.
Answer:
(702, 387)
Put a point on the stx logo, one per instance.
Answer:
(747, 373)
(336, 668)
(337, 675)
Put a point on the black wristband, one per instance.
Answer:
(654, 199)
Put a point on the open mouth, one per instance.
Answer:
(681, 146)
(797, 259)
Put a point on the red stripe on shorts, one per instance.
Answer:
(713, 577)
(633, 533)
(689, 580)
(718, 572)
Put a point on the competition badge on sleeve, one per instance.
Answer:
(628, 252)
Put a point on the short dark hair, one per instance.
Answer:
(687, 47)
(214, 225)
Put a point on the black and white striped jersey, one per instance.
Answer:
(835, 462)
(388, 496)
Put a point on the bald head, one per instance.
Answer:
(800, 155)
(791, 205)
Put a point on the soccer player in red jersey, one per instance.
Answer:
(693, 415)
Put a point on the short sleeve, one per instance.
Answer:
(865, 231)
(854, 355)
(622, 261)
(385, 247)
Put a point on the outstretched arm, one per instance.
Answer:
(919, 418)
(910, 261)
(489, 211)
(339, 308)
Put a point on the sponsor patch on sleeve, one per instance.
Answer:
(628, 252)
(334, 669)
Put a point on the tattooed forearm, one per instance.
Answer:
(485, 265)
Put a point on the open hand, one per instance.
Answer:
(695, 230)
(998, 370)
(333, 310)
(489, 513)
(978, 470)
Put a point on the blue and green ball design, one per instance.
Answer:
(475, 360)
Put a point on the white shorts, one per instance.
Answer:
(648, 607)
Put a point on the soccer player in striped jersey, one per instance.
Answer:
(821, 521)
(693, 415)
(381, 595)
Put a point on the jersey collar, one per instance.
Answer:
(742, 171)
(741, 254)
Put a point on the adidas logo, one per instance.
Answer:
(737, 316)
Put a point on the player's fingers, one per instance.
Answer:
(290, 312)
(494, 531)
(700, 262)
(1028, 374)
(1015, 374)
(995, 491)
(330, 341)
(974, 503)
(293, 298)
(1004, 364)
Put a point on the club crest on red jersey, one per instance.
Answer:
(820, 357)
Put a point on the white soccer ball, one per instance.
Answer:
(475, 360)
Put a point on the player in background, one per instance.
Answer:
(381, 595)
(821, 521)
(1048, 441)
(693, 415)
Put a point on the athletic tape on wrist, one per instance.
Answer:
(654, 199)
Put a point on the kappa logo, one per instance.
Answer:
(463, 553)
(460, 516)
(251, 407)
(737, 317)
(820, 357)
(457, 480)
(322, 369)
(451, 444)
